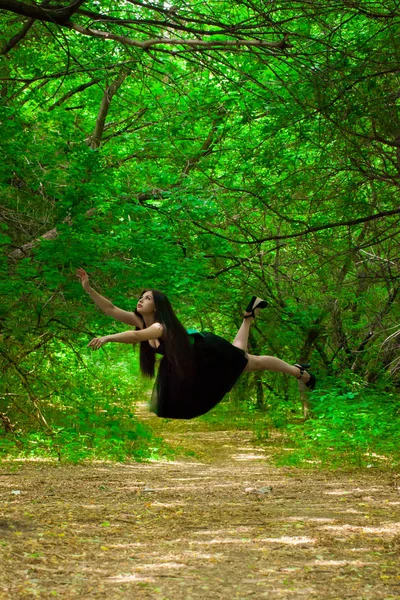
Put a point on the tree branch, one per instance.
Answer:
(8, 426)
(24, 250)
(20, 36)
(196, 44)
(314, 229)
(68, 95)
(62, 15)
(95, 140)
(52, 15)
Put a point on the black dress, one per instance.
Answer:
(217, 365)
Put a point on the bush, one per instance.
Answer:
(352, 425)
(79, 407)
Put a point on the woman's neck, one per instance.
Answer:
(149, 320)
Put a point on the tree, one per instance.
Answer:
(210, 152)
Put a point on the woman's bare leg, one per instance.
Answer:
(242, 335)
(276, 365)
(264, 363)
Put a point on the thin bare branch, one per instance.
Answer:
(71, 93)
(196, 44)
(304, 232)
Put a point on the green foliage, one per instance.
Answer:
(352, 426)
(91, 417)
(103, 439)
(218, 173)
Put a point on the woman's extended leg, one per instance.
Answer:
(266, 363)
(270, 363)
(242, 335)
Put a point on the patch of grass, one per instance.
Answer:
(112, 433)
(352, 425)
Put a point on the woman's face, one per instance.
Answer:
(145, 305)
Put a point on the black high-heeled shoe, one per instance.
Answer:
(303, 369)
(253, 304)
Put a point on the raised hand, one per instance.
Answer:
(97, 343)
(84, 278)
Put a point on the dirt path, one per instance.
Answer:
(197, 528)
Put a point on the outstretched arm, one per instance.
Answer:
(153, 332)
(108, 308)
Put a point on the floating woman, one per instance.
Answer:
(197, 369)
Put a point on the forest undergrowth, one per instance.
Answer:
(351, 425)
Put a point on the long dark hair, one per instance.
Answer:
(175, 339)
